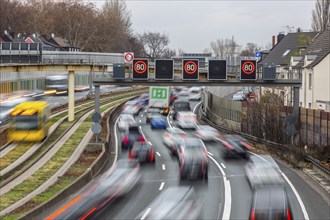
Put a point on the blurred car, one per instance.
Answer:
(158, 122)
(130, 137)
(207, 133)
(152, 112)
(187, 120)
(176, 202)
(236, 146)
(125, 121)
(270, 203)
(239, 96)
(193, 159)
(195, 93)
(262, 170)
(142, 151)
(144, 99)
(180, 105)
(183, 92)
(173, 96)
(100, 192)
(132, 107)
(172, 138)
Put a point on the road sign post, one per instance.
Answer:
(164, 69)
(248, 69)
(217, 70)
(190, 70)
(140, 69)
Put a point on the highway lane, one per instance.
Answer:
(165, 173)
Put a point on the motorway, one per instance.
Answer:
(227, 194)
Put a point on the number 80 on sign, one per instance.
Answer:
(140, 69)
(248, 69)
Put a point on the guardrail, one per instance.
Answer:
(319, 167)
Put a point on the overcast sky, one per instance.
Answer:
(192, 25)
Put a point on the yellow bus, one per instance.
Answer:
(29, 122)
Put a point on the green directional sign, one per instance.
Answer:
(159, 93)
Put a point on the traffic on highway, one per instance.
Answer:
(180, 167)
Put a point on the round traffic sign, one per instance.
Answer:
(140, 67)
(128, 57)
(190, 67)
(96, 128)
(248, 67)
(96, 117)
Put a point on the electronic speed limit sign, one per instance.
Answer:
(248, 69)
(190, 69)
(140, 69)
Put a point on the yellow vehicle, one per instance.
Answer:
(29, 122)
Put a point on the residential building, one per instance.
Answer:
(315, 64)
(292, 44)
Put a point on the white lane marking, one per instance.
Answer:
(161, 185)
(223, 165)
(145, 110)
(158, 154)
(302, 206)
(116, 140)
(149, 143)
(210, 153)
(140, 127)
(227, 188)
(141, 115)
(168, 121)
(171, 122)
(196, 106)
(303, 209)
(140, 121)
(163, 166)
(227, 207)
(145, 214)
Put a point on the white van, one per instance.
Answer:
(195, 93)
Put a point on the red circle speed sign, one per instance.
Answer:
(248, 67)
(128, 57)
(140, 67)
(190, 67)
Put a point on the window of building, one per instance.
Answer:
(300, 104)
(309, 105)
(310, 81)
(286, 52)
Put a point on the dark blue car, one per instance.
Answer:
(158, 122)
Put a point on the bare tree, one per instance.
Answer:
(321, 15)
(224, 47)
(155, 44)
(12, 16)
(250, 50)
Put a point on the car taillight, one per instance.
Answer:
(125, 140)
(288, 214)
(246, 145)
(252, 216)
(227, 145)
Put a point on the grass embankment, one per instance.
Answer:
(46, 171)
(21, 148)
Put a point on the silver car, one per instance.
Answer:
(263, 171)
